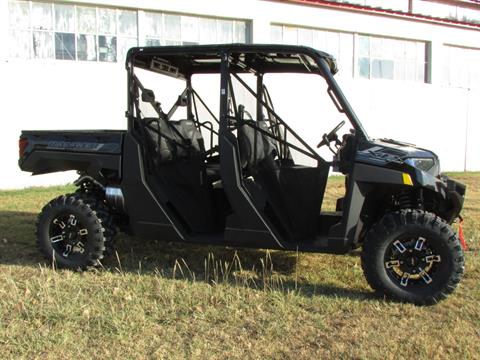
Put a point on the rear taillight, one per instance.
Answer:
(22, 145)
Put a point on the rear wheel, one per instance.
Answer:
(412, 256)
(70, 233)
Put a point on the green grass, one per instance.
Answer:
(167, 300)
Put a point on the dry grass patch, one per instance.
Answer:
(166, 300)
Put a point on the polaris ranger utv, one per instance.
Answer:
(231, 177)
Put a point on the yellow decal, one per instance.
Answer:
(407, 180)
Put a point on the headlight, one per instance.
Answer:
(424, 164)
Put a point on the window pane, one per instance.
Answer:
(172, 27)
(87, 47)
(64, 46)
(333, 43)
(42, 45)
(64, 20)
(420, 72)
(346, 55)
(388, 48)
(190, 29)
(399, 50)
(461, 69)
(410, 71)
(290, 35)
(394, 59)
(375, 47)
(364, 48)
(410, 50)
(364, 67)
(382, 69)
(276, 34)
(153, 24)
(19, 44)
(127, 23)
(153, 42)
(107, 48)
(320, 40)
(123, 45)
(305, 37)
(107, 21)
(421, 51)
(19, 14)
(225, 31)
(240, 34)
(339, 44)
(399, 70)
(208, 31)
(465, 14)
(42, 16)
(86, 20)
(434, 9)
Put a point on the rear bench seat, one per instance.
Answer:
(181, 132)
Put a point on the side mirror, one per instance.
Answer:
(148, 95)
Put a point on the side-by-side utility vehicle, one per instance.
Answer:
(228, 174)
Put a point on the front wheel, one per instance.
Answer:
(412, 256)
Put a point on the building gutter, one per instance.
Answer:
(384, 12)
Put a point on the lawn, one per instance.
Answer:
(166, 300)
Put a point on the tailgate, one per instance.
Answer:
(91, 152)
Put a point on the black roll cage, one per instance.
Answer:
(231, 66)
(188, 94)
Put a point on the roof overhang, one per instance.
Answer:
(390, 12)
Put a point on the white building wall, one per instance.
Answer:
(82, 95)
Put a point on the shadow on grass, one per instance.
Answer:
(266, 269)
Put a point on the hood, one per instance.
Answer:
(392, 153)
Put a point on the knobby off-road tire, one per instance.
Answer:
(70, 233)
(412, 256)
(105, 215)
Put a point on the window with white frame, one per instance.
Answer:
(462, 67)
(448, 10)
(401, 5)
(338, 44)
(394, 59)
(64, 19)
(169, 29)
(376, 57)
(42, 30)
(50, 30)
(127, 32)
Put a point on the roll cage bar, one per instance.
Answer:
(232, 60)
(186, 98)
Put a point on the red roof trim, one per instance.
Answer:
(386, 12)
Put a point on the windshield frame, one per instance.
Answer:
(339, 100)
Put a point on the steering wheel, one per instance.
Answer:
(331, 136)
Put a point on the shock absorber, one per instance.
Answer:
(404, 200)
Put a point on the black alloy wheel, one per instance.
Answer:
(412, 262)
(412, 256)
(70, 233)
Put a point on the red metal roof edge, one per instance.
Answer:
(387, 12)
